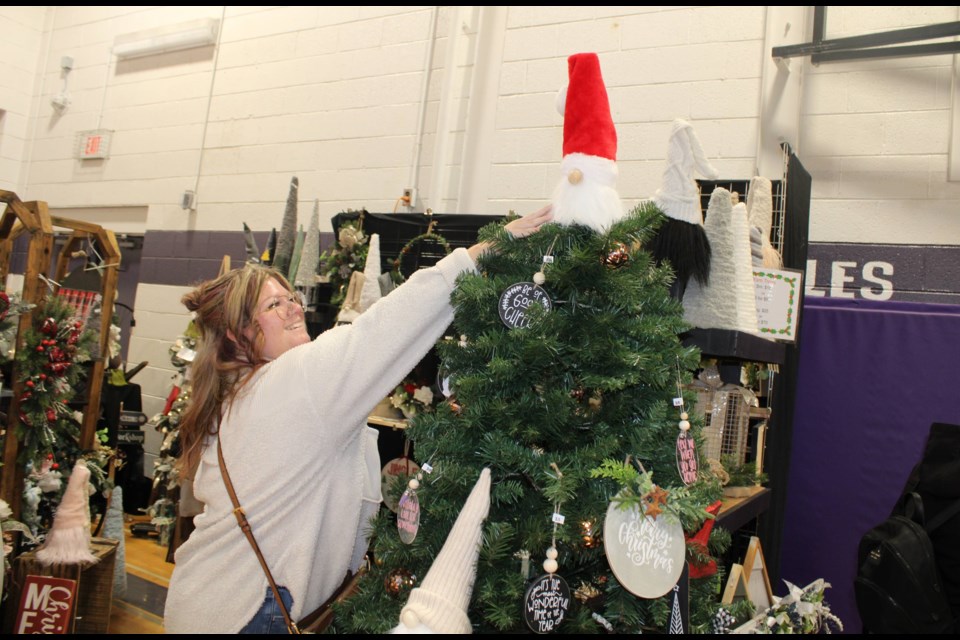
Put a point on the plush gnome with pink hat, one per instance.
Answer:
(681, 240)
(587, 192)
(439, 604)
(68, 541)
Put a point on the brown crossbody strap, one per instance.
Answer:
(245, 527)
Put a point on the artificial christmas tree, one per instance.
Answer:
(566, 363)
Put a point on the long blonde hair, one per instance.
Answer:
(225, 308)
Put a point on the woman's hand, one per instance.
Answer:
(519, 228)
(530, 223)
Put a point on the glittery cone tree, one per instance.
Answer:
(552, 397)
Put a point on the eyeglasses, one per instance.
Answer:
(285, 306)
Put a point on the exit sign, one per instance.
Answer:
(94, 144)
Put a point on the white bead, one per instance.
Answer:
(539, 278)
(550, 566)
(552, 553)
(684, 416)
(684, 425)
(414, 484)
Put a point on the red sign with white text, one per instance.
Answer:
(46, 605)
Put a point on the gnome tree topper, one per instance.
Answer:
(587, 193)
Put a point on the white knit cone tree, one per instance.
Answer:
(728, 301)
(68, 541)
(760, 215)
(440, 603)
(370, 292)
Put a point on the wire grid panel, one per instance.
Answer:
(742, 188)
(726, 416)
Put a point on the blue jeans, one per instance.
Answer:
(269, 619)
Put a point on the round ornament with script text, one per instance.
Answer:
(517, 299)
(546, 603)
(645, 554)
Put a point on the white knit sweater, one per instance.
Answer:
(303, 462)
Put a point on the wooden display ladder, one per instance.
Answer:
(34, 218)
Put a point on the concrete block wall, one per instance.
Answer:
(875, 136)
(20, 54)
(459, 102)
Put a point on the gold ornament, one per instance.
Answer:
(618, 257)
(586, 592)
(589, 534)
(399, 581)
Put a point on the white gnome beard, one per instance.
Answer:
(593, 201)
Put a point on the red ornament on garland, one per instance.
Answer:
(699, 541)
(51, 415)
(4, 305)
(49, 327)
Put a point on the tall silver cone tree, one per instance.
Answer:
(310, 256)
(288, 231)
(250, 244)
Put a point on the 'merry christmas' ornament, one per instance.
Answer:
(587, 194)
(645, 554)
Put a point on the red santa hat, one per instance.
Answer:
(587, 192)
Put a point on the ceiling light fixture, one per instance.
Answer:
(187, 35)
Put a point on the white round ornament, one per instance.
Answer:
(645, 554)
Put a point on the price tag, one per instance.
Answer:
(558, 518)
(427, 468)
(547, 259)
(678, 402)
(187, 354)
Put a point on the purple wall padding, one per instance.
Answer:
(873, 377)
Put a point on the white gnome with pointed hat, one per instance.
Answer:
(681, 240)
(439, 604)
(68, 541)
(587, 191)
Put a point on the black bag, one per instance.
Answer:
(898, 587)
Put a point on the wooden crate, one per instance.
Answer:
(94, 586)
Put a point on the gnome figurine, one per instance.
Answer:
(587, 192)
(681, 239)
(69, 539)
(439, 604)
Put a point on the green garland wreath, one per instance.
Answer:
(396, 273)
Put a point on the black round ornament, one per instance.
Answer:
(515, 301)
(546, 603)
